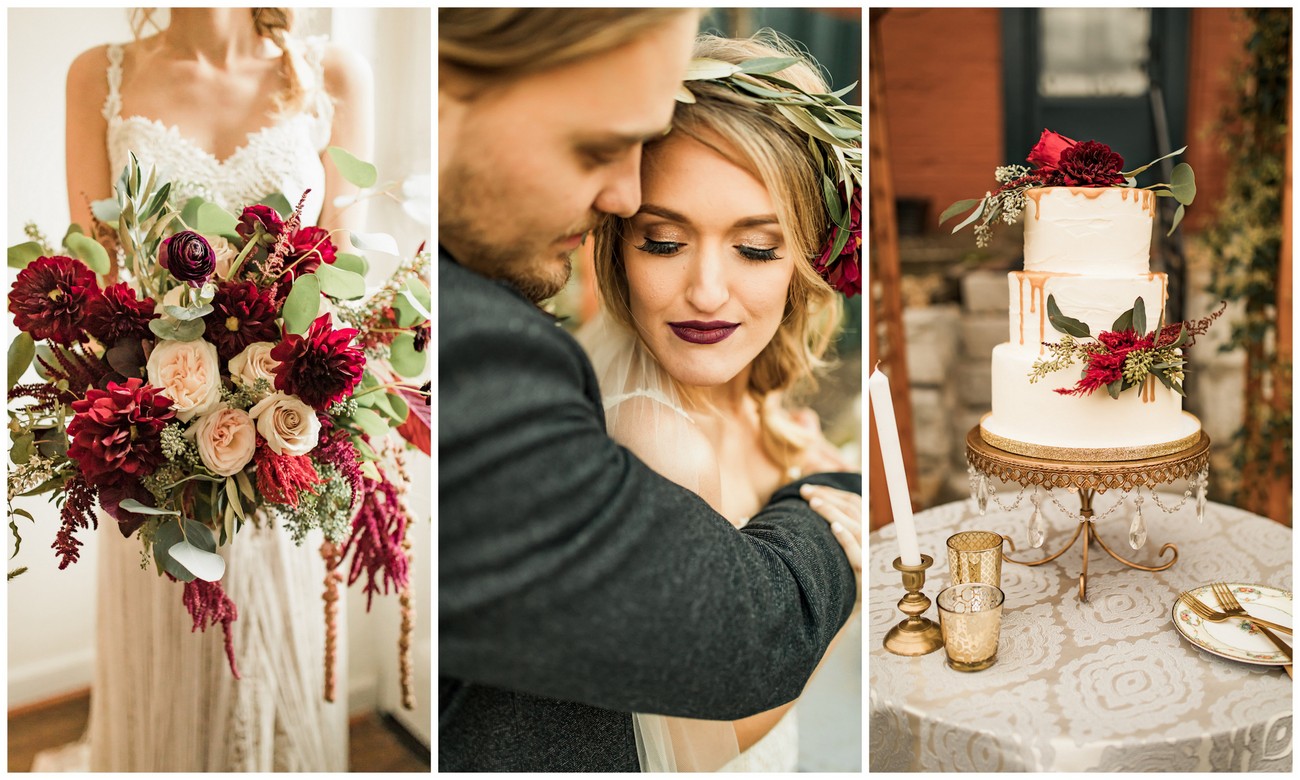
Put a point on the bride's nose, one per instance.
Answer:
(706, 283)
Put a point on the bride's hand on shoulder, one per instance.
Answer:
(843, 510)
(820, 455)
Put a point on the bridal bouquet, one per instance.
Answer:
(202, 370)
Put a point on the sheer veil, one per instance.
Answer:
(645, 412)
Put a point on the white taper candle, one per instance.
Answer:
(891, 455)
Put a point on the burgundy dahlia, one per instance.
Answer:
(257, 216)
(310, 247)
(844, 271)
(49, 297)
(321, 367)
(117, 314)
(241, 314)
(114, 433)
(188, 257)
(1090, 164)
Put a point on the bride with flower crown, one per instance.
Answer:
(230, 106)
(720, 298)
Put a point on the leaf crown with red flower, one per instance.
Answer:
(834, 131)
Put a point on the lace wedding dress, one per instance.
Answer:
(164, 698)
(636, 391)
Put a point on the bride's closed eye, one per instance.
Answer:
(754, 253)
(664, 248)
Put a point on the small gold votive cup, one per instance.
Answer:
(970, 619)
(975, 556)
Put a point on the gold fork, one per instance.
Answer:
(1223, 594)
(1206, 613)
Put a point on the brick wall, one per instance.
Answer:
(943, 92)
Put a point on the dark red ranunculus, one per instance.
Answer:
(242, 313)
(311, 246)
(259, 216)
(117, 314)
(188, 257)
(110, 496)
(1047, 152)
(321, 367)
(49, 298)
(1090, 164)
(114, 433)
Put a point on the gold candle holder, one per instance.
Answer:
(916, 635)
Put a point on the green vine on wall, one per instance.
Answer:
(1245, 241)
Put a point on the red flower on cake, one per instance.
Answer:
(1047, 152)
(1107, 366)
(1090, 164)
(241, 314)
(118, 314)
(310, 247)
(114, 433)
(49, 298)
(321, 367)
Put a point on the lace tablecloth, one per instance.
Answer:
(1107, 685)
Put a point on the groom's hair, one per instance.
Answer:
(503, 43)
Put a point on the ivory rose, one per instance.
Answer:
(254, 363)
(225, 253)
(289, 426)
(226, 440)
(188, 373)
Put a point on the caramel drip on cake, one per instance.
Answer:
(1035, 194)
(1037, 301)
(1149, 390)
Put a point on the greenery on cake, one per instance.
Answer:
(1120, 358)
(1059, 161)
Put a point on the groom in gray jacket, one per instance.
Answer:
(575, 585)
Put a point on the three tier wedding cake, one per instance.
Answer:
(1091, 371)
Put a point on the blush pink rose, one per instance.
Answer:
(226, 440)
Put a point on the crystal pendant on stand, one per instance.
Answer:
(1202, 481)
(1137, 530)
(982, 493)
(1037, 532)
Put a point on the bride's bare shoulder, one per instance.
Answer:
(346, 72)
(88, 74)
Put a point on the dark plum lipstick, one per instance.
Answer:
(697, 332)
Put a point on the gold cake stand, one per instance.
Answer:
(1088, 478)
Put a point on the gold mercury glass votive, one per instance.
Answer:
(970, 618)
(975, 556)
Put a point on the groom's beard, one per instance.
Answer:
(479, 226)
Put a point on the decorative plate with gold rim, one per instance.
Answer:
(1236, 639)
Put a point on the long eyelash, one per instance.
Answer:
(751, 253)
(665, 248)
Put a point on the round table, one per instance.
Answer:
(1102, 685)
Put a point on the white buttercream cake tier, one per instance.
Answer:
(1095, 300)
(1088, 230)
(1034, 419)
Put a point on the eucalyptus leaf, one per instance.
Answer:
(21, 451)
(417, 295)
(959, 207)
(173, 330)
(88, 251)
(974, 215)
(354, 263)
(157, 202)
(405, 359)
(381, 404)
(279, 202)
(1139, 317)
(200, 535)
(131, 505)
(186, 313)
(106, 210)
(1182, 182)
(1178, 217)
(246, 486)
(232, 495)
(1182, 337)
(1123, 322)
(1063, 323)
(20, 255)
(1114, 387)
(401, 409)
(22, 351)
(203, 565)
(212, 220)
(370, 422)
(303, 304)
(167, 536)
(374, 242)
(339, 283)
(1136, 171)
(356, 171)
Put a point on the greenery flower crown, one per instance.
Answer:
(834, 130)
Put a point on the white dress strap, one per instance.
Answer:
(113, 102)
(609, 402)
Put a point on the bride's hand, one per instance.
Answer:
(820, 455)
(843, 510)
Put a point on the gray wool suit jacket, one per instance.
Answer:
(575, 585)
